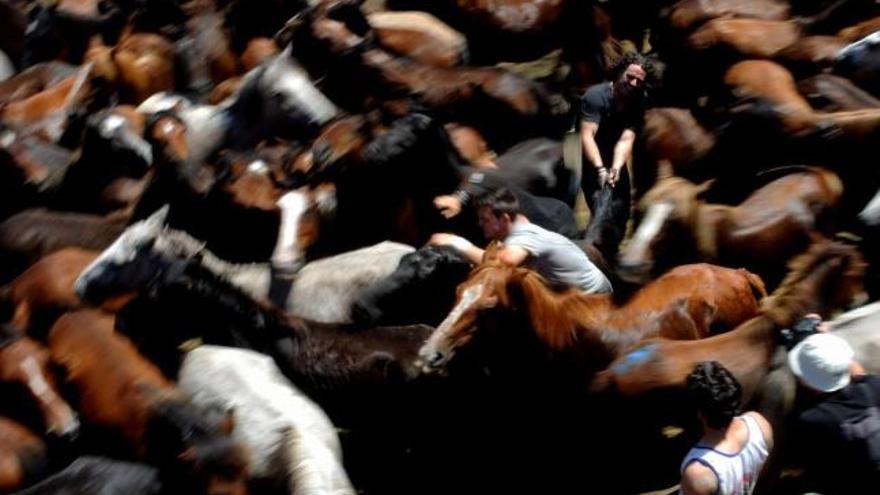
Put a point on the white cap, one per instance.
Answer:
(822, 361)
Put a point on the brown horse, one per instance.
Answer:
(421, 37)
(674, 135)
(47, 286)
(860, 30)
(33, 80)
(22, 455)
(24, 363)
(138, 66)
(830, 93)
(825, 278)
(686, 14)
(127, 396)
(31, 234)
(749, 38)
(772, 224)
(45, 113)
(689, 302)
(775, 84)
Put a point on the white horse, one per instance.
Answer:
(860, 327)
(288, 435)
(323, 291)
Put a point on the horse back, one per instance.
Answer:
(117, 387)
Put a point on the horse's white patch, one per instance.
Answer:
(110, 125)
(468, 297)
(7, 138)
(293, 205)
(653, 221)
(868, 40)
(870, 214)
(293, 81)
(258, 167)
(35, 379)
(7, 69)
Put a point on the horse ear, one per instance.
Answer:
(664, 169)
(325, 197)
(159, 218)
(705, 186)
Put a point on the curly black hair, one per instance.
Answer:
(645, 62)
(715, 392)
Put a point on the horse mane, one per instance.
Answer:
(262, 321)
(548, 308)
(796, 295)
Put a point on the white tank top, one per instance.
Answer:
(736, 473)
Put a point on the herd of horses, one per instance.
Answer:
(214, 276)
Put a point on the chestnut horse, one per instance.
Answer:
(122, 393)
(24, 365)
(22, 455)
(772, 224)
(825, 278)
(421, 37)
(688, 302)
(46, 287)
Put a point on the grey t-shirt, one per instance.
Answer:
(556, 258)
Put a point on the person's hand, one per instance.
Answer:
(613, 176)
(443, 239)
(448, 205)
(603, 176)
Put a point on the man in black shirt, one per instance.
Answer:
(611, 115)
(835, 433)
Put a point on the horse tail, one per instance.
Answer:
(759, 290)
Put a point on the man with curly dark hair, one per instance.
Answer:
(611, 116)
(728, 458)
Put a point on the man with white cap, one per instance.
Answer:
(838, 434)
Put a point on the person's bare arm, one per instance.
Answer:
(698, 479)
(512, 255)
(591, 149)
(464, 246)
(622, 152)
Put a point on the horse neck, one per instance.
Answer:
(252, 278)
(788, 303)
(709, 225)
(561, 319)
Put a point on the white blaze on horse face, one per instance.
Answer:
(293, 205)
(432, 347)
(43, 392)
(258, 167)
(870, 215)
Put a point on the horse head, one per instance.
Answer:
(670, 205)
(306, 213)
(115, 135)
(280, 96)
(132, 262)
(827, 277)
(26, 362)
(481, 302)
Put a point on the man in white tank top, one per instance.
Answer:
(729, 457)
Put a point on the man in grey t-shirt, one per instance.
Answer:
(555, 257)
